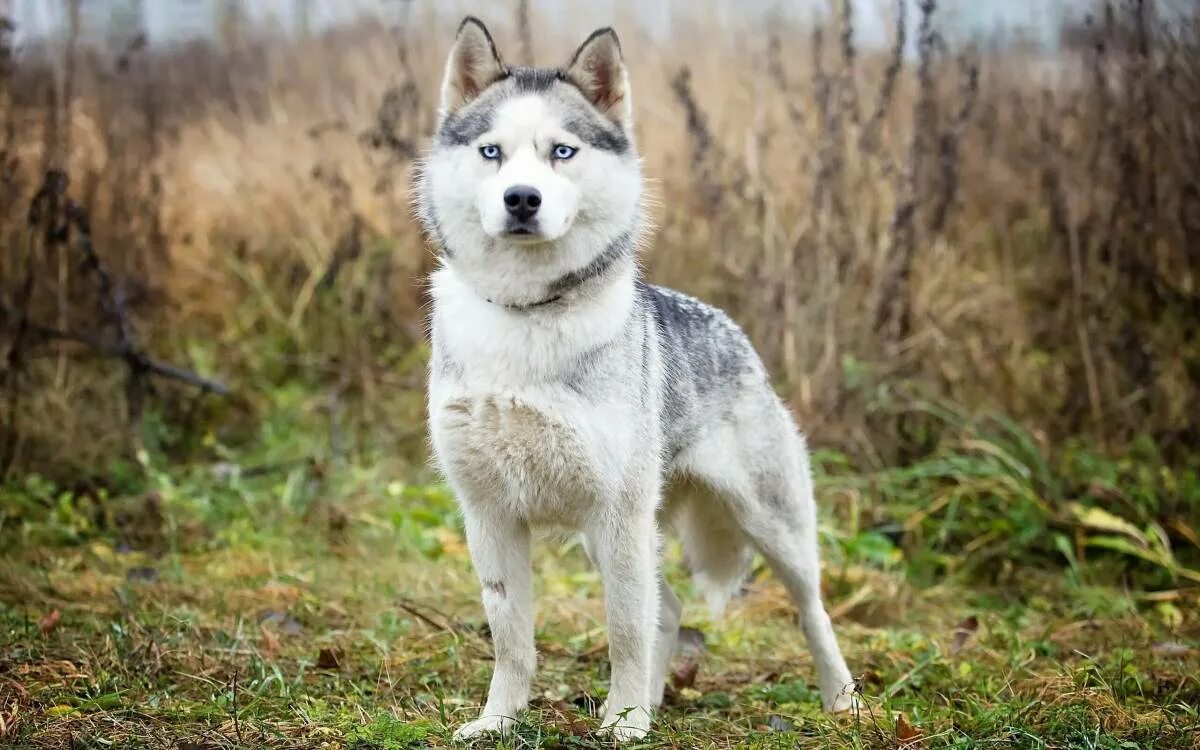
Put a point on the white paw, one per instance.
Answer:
(485, 725)
(844, 702)
(631, 724)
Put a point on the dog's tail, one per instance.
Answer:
(715, 549)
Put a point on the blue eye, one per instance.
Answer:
(489, 152)
(562, 151)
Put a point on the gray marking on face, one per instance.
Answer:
(464, 127)
(594, 131)
(535, 80)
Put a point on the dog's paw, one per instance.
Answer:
(484, 725)
(845, 702)
(630, 724)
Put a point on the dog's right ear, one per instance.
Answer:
(473, 64)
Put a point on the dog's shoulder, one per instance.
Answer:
(696, 334)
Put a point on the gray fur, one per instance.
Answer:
(463, 127)
(711, 361)
(620, 250)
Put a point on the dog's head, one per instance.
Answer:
(532, 177)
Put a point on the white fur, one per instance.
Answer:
(522, 451)
(526, 134)
(585, 201)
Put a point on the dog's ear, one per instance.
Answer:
(473, 64)
(598, 69)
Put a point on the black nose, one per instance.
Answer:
(522, 201)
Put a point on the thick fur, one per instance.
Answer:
(567, 392)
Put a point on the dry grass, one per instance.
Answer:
(1028, 247)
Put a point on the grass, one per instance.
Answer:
(330, 603)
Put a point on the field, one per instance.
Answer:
(973, 269)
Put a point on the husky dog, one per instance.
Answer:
(567, 392)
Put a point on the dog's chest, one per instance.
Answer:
(524, 408)
(547, 457)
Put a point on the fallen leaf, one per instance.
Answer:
(577, 727)
(48, 623)
(963, 633)
(685, 675)
(9, 722)
(906, 733)
(330, 658)
(575, 723)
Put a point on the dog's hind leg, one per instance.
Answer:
(788, 541)
(670, 612)
(499, 547)
(757, 466)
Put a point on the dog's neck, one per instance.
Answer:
(603, 269)
(499, 345)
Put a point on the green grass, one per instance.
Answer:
(988, 595)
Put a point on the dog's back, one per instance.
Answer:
(708, 359)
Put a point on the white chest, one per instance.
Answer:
(505, 428)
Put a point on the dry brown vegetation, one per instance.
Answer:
(985, 228)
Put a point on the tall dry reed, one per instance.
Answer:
(986, 226)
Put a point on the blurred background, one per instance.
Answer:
(990, 205)
(924, 214)
(964, 235)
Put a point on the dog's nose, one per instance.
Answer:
(522, 201)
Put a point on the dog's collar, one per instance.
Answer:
(530, 306)
(620, 248)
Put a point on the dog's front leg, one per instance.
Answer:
(500, 550)
(624, 546)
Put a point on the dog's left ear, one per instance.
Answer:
(598, 69)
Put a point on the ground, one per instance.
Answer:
(333, 605)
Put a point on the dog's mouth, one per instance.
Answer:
(523, 232)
